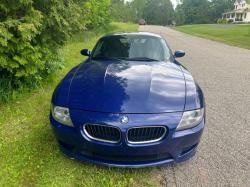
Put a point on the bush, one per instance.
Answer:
(13, 88)
(230, 21)
(238, 22)
(219, 21)
(224, 22)
(31, 33)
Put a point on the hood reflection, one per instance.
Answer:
(128, 87)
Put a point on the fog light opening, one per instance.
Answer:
(187, 149)
(66, 146)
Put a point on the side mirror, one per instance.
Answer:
(178, 54)
(85, 52)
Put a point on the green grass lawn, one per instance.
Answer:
(29, 154)
(236, 36)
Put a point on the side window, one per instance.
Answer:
(98, 49)
(165, 52)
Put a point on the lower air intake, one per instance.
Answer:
(127, 158)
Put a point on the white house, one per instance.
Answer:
(241, 12)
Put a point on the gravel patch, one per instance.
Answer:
(222, 71)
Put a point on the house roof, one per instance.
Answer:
(234, 11)
(238, 1)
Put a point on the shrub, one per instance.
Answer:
(239, 22)
(219, 21)
(32, 32)
(230, 20)
(224, 22)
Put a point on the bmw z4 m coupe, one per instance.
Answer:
(130, 104)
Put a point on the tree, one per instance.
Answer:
(201, 11)
(156, 12)
(31, 32)
(138, 6)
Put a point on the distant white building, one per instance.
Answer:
(241, 12)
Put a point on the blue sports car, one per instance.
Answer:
(130, 104)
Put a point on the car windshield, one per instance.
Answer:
(131, 47)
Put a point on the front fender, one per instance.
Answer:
(61, 93)
(194, 96)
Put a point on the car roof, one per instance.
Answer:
(139, 33)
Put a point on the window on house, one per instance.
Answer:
(245, 16)
(236, 6)
(243, 5)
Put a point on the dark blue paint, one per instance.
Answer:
(149, 93)
(128, 87)
(194, 96)
(85, 52)
(61, 93)
(172, 143)
(179, 54)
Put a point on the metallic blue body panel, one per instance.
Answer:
(61, 93)
(172, 143)
(194, 96)
(148, 93)
(128, 87)
(179, 54)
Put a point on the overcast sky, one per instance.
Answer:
(173, 2)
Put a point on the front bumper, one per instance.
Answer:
(73, 142)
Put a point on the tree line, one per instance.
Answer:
(201, 11)
(32, 32)
(155, 12)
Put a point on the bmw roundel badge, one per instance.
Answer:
(124, 119)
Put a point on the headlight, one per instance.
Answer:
(190, 119)
(61, 115)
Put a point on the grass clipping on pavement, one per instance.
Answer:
(29, 154)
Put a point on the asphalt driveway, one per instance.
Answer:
(223, 73)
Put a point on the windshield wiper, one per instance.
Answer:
(141, 59)
(105, 58)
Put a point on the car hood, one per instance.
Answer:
(128, 87)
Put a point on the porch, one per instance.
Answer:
(235, 15)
